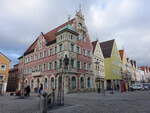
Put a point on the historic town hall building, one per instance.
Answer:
(43, 61)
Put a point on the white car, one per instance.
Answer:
(136, 87)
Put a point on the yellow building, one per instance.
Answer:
(4, 69)
(112, 63)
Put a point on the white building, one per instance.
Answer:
(98, 66)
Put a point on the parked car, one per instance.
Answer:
(136, 87)
(146, 86)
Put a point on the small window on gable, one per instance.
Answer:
(3, 67)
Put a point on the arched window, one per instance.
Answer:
(89, 82)
(82, 82)
(45, 83)
(73, 82)
(52, 83)
(32, 83)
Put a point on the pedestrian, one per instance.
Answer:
(28, 90)
(41, 89)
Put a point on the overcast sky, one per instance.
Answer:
(127, 21)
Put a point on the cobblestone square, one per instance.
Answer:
(131, 102)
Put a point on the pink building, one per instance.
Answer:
(43, 61)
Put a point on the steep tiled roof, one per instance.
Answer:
(121, 52)
(50, 36)
(94, 44)
(107, 48)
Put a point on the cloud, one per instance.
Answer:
(125, 20)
